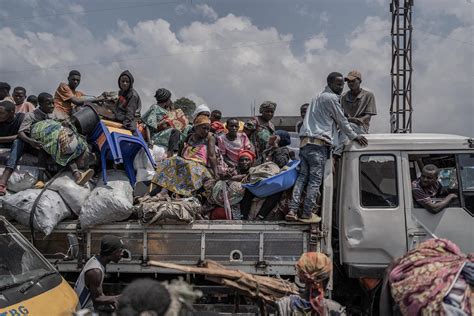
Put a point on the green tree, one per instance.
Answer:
(186, 105)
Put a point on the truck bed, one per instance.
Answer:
(260, 247)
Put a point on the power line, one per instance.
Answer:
(444, 36)
(13, 19)
(162, 55)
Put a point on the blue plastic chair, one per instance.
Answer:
(277, 183)
(121, 148)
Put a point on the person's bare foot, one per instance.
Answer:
(82, 178)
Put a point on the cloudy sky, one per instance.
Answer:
(232, 53)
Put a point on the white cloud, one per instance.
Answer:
(230, 62)
(316, 43)
(461, 9)
(200, 9)
(206, 11)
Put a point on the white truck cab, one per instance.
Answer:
(376, 217)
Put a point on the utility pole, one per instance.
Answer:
(401, 105)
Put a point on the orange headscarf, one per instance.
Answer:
(201, 119)
(315, 267)
(247, 153)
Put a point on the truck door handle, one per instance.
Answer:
(417, 234)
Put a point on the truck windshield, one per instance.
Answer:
(19, 263)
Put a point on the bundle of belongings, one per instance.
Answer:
(435, 278)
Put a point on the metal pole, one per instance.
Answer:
(401, 70)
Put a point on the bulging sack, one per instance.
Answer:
(3, 211)
(50, 210)
(153, 210)
(109, 202)
(142, 164)
(22, 178)
(74, 195)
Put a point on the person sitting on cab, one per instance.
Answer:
(427, 187)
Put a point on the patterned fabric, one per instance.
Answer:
(235, 192)
(423, 277)
(180, 176)
(201, 119)
(232, 148)
(63, 144)
(176, 119)
(261, 137)
(314, 266)
(263, 171)
(196, 152)
(156, 117)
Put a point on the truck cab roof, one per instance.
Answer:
(414, 141)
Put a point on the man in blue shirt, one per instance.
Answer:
(320, 125)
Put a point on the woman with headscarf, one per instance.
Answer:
(435, 278)
(202, 110)
(184, 175)
(128, 106)
(314, 269)
(233, 184)
(264, 128)
(164, 124)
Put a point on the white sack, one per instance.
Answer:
(109, 202)
(143, 166)
(50, 211)
(74, 195)
(3, 211)
(22, 178)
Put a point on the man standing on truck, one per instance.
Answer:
(89, 284)
(358, 105)
(316, 139)
(427, 187)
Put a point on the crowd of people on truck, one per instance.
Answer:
(201, 149)
(211, 158)
(202, 152)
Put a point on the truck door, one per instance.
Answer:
(456, 221)
(372, 222)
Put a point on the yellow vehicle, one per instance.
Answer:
(29, 284)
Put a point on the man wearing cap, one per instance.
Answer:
(358, 104)
(89, 284)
